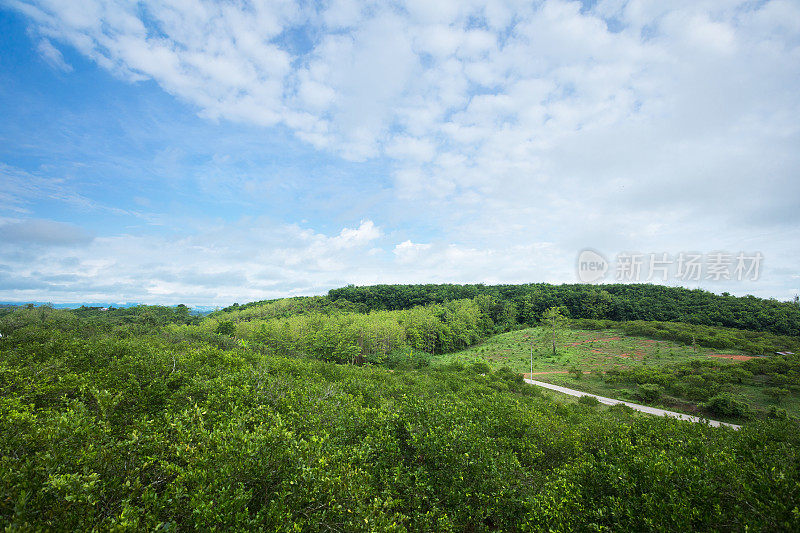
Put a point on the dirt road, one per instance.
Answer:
(643, 408)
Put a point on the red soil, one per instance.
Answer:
(527, 375)
(731, 357)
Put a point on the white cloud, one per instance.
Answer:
(664, 126)
(411, 148)
(21, 189)
(249, 259)
(53, 56)
(408, 251)
(360, 236)
(253, 259)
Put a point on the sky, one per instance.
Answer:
(207, 153)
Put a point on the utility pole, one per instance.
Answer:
(531, 376)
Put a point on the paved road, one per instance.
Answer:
(642, 408)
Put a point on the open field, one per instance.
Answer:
(601, 361)
(588, 351)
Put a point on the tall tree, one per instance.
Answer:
(555, 321)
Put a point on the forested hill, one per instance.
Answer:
(614, 302)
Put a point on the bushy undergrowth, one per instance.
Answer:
(126, 431)
(753, 342)
(710, 384)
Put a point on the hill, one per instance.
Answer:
(319, 414)
(613, 301)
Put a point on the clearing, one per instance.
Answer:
(585, 359)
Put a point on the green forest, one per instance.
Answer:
(399, 408)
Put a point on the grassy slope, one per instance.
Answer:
(595, 352)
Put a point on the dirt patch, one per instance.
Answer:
(731, 357)
(527, 375)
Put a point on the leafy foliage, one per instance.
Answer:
(614, 302)
(111, 428)
(710, 383)
(754, 342)
(108, 425)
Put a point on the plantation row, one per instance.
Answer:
(105, 427)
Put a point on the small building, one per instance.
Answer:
(784, 353)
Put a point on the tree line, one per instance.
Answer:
(333, 334)
(620, 302)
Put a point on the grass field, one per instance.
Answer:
(588, 351)
(584, 356)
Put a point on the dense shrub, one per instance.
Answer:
(226, 327)
(649, 392)
(725, 405)
(109, 428)
(589, 400)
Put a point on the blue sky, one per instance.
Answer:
(209, 152)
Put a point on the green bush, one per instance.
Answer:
(649, 392)
(226, 327)
(776, 393)
(776, 412)
(589, 400)
(622, 408)
(726, 405)
(480, 368)
(403, 358)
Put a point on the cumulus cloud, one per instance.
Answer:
(249, 259)
(408, 251)
(504, 82)
(619, 125)
(253, 259)
(359, 236)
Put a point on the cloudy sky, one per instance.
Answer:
(210, 152)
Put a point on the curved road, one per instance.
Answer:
(642, 408)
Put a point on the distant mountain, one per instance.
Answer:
(118, 305)
(196, 310)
